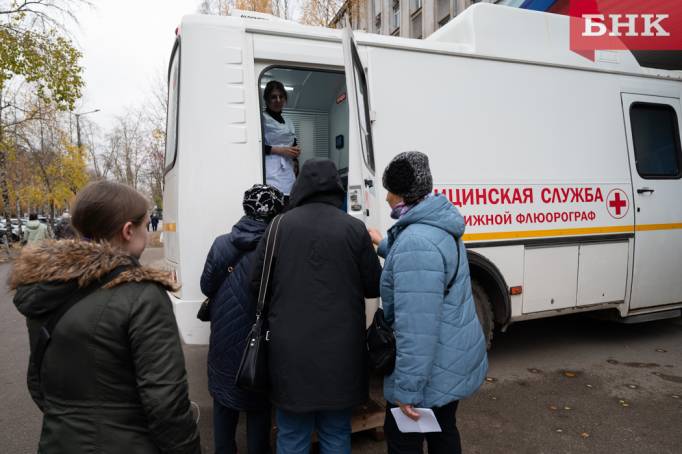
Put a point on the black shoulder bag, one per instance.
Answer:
(381, 345)
(46, 330)
(253, 369)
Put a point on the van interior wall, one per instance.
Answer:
(338, 126)
(312, 132)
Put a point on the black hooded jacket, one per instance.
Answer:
(325, 266)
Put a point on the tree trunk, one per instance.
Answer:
(4, 189)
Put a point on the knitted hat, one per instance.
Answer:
(408, 175)
(263, 202)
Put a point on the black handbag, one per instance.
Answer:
(204, 313)
(381, 344)
(253, 369)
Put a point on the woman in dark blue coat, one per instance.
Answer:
(225, 281)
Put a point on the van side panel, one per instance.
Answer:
(218, 154)
(527, 153)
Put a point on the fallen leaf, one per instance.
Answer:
(675, 396)
(589, 386)
(567, 408)
(633, 386)
(553, 408)
(570, 374)
(585, 435)
(559, 430)
(534, 371)
(660, 350)
(490, 379)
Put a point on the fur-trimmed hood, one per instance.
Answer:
(47, 273)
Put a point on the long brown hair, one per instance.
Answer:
(102, 209)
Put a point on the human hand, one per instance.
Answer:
(287, 152)
(375, 235)
(409, 411)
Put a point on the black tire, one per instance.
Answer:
(484, 311)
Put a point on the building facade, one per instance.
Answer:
(406, 18)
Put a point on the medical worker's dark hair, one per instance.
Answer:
(272, 86)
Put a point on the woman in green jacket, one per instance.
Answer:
(112, 377)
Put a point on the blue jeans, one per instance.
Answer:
(225, 426)
(294, 431)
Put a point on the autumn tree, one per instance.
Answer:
(36, 56)
(44, 167)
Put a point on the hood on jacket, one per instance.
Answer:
(318, 181)
(33, 225)
(247, 233)
(436, 211)
(46, 274)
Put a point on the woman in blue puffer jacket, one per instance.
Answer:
(225, 281)
(426, 295)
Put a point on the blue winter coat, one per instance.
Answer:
(225, 281)
(441, 351)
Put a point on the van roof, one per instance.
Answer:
(483, 30)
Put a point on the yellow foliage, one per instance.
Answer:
(261, 6)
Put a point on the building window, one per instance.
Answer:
(656, 139)
(417, 25)
(442, 12)
(395, 23)
(415, 5)
(377, 13)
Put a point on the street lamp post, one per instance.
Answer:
(78, 126)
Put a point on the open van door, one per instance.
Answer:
(653, 125)
(360, 149)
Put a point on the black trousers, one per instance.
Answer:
(445, 442)
(225, 426)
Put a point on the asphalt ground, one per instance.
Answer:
(570, 384)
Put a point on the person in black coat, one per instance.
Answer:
(225, 281)
(324, 268)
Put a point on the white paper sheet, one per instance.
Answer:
(427, 421)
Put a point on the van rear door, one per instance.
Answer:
(360, 149)
(653, 125)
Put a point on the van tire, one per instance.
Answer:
(484, 311)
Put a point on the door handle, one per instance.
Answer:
(369, 183)
(643, 190)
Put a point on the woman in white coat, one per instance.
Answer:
(280, 144)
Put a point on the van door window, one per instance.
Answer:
(363, 114)
(656, 139)
(172, 115)
(317, 109)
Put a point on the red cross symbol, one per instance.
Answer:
(617, 203)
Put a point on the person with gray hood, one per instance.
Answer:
(426, 295)
(324, 267)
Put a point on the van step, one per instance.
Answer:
(650, 317)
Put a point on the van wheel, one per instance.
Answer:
(484, 311)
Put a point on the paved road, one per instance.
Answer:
(564, 385)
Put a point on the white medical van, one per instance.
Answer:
(567, 171)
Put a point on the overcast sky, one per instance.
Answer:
(125, 43)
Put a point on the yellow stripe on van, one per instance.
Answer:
(646, 227)
(568, 232)
(170, 227)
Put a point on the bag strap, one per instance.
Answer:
(452, 281)
(45, 334)
(270, 244)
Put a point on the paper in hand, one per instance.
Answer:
(427, 421)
